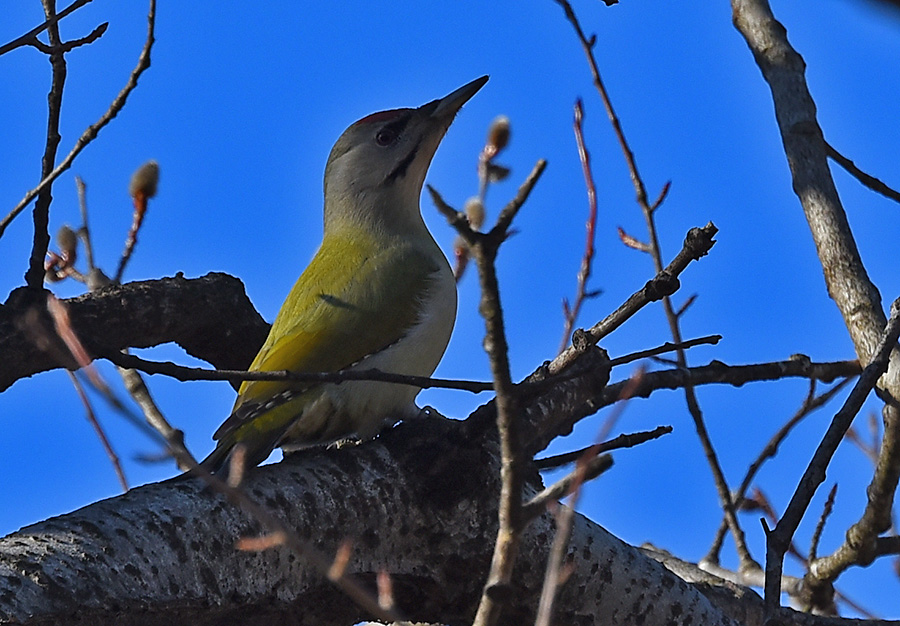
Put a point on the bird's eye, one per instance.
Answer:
(385, 137)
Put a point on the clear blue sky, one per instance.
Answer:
(241, 107)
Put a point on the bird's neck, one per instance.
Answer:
(384, 216)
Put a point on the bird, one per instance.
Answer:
(378, 293)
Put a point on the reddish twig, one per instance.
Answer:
(581, 293)
(101, 434)
(811, 403)
(142, 188)
(747, 562)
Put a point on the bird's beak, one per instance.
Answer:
(446, 107)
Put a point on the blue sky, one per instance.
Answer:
(241, 107)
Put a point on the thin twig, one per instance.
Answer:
(101, 434)
(869, 181)
(585, 470)
(500, 231)
(820, 525)
(666, 347)
(584, 272)
(810, 404)
(141, 188)
(655, 250)
(68, 46)
(484, 248)
(555, 575)
(622, 441)
(84, 232)
(697, 244)
(34, 277)
(139, 391)
(31, 36)
(721, 373)
(184, 373)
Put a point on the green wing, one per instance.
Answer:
(352, 301)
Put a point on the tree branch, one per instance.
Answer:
(848, 283)
(210, 317)
(31, 36)
(483, 248)
(778, 540)
(869, 181)
(172, 546)
(92, 131)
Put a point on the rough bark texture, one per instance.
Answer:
(210, 317)
(417, 503)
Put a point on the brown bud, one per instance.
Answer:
(67, 241)
(498, 134)
(144, 180)
(474, 209)
(461, 257)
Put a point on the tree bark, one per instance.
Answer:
(419, 503)
(210, 317)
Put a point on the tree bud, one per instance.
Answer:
(498, 134)
(67, 241)
(474, 210)
(144, 180)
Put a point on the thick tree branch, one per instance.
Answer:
(848, 283)
(210, 317)
(172, 546)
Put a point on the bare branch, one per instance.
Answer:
(778, 540)
(31, 36)
(869, 181)
(820, 525)
(810, 404)
(183, 373)
(584, 272)
(737, 375)
(697, 243)
(101, 434)
(91, 132)
(210, 317)
(484, 248)
(653, 247)
(666, 347)
(617, 443)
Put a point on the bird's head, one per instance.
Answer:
(376, 170)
